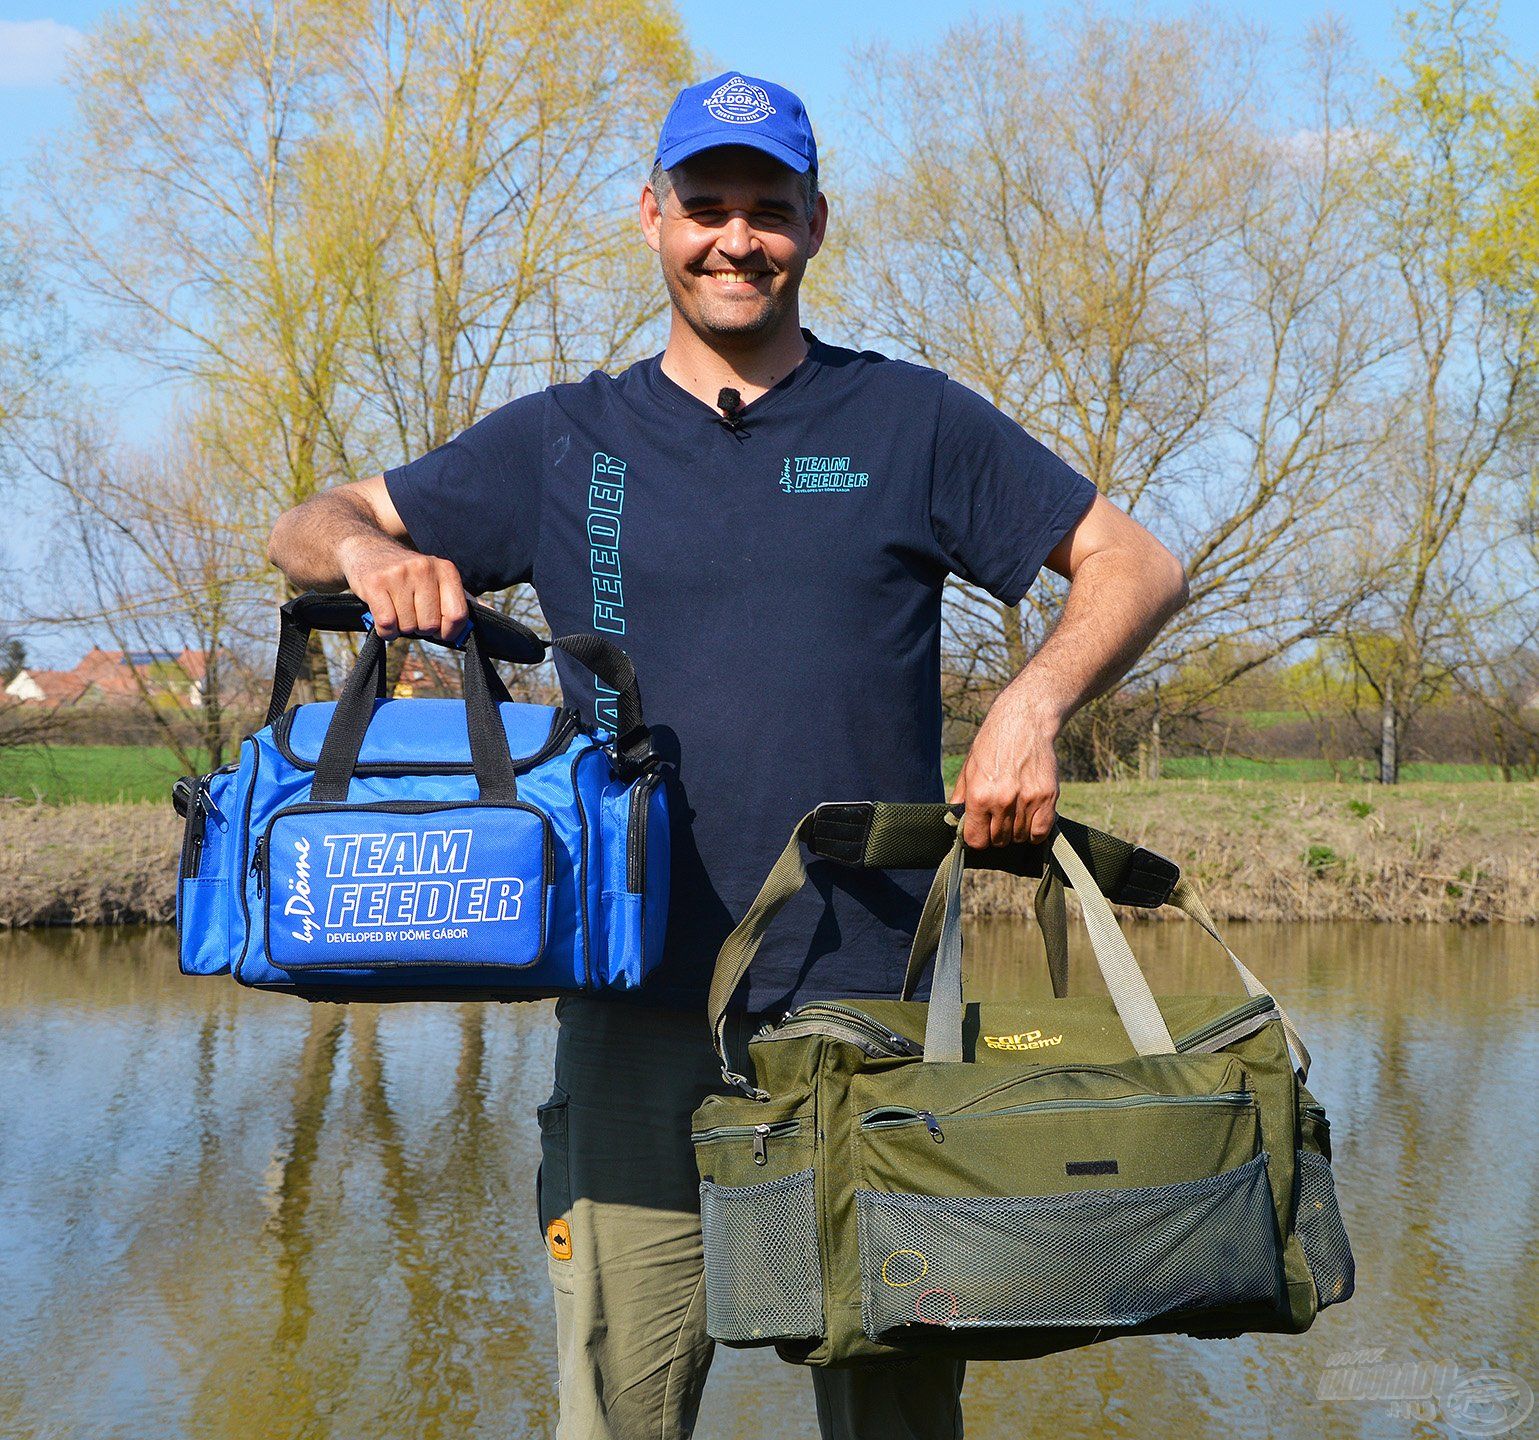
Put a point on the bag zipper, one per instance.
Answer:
(1260, 1010)
(245, 835)
(200, 805)
(563, 726)
(843, 1022)
(192, 833)
(259, 864)
(761, 1134)
(636, 834)
(1046, 1070)
(892, 1117)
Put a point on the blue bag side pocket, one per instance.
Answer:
(622, 937)
(203, 883)
(635, 897)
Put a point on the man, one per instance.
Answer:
(764, 522)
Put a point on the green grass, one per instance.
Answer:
(65, 774)
(1236, 767)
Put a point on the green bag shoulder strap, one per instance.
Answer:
(1124, 979)
(1127, 874)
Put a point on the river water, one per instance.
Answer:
(226, 1215)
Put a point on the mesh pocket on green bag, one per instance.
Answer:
(762, 1279)
(1322, 1232)
(1090, 1258)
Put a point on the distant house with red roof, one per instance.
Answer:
(427, 674)
(116, 677)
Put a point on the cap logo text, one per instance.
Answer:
(739, 103)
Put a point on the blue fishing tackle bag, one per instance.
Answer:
(400, 849)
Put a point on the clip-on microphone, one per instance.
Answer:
(730, 403)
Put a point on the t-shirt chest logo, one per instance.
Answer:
(817, 474)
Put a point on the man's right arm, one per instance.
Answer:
(352, 537)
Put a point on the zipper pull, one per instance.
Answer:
(259, 863)
(760, 1138)
(932, 1125)
(198, 817)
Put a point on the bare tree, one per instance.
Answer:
(161, 543)
(515, 138)
(353, 226)
(1103, 239)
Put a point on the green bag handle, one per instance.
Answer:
(1124, 978)
(893, 835)
(1127, 874)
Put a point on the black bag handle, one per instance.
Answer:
(498, 637)
(503, 637)
(631, 749)
(490, 758)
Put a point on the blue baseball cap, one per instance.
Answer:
(736, 109)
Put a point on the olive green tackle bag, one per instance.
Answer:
(1007, 1179)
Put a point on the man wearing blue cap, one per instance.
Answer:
(765, 523)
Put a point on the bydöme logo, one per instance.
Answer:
(810, 474)
(739, 103)
(300, 907)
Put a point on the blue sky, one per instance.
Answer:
(804, 44)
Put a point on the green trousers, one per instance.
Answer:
(620, 1211)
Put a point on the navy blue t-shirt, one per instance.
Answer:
(779, 590)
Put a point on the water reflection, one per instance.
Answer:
(225, 1214)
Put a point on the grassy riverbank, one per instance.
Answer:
(1271, 850)
(1260, 850)
(88, 774)
(88, 864)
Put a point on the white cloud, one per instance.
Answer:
(32, 52)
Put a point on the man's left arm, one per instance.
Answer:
(1123, 586)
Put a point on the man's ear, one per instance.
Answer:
(818, 226)
(651, 218)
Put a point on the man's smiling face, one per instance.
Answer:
(734, 238)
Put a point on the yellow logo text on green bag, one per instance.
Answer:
(1031, 1040)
